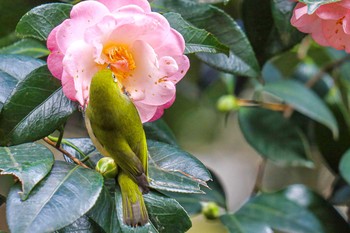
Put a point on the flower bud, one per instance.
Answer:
(211, 210)
(107, 167)
(227, 103)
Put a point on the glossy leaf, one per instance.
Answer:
(39, 21)
(281, 12)
(328, 217)
(192, 203)
(81, 225)
(35, 108)
(86, 147)
(313, 5)
(28, 47)
(166, 214)
(103, 213)
(197, 40)
(242, 59)
(295, 209)
(19, 68)
(344, 166)
(57, 201)
(305, 101)
(30, 163)
(159, 131)
(274, 137)
(240, 223)
(172, 169)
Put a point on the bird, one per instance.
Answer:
(116, 130)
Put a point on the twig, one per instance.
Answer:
(317, 77)
(254, 103)
(77, 161)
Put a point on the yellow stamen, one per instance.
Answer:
(120, 58)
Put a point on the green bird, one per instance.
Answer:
(115, 128)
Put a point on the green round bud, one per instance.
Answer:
(227, 103)
(211, 210)
(107, 167)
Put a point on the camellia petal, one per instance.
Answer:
(114, 5)
(145, 54)
(328, 25)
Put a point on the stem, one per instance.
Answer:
(54, 139)
(58, 142)
(53, 144)
(254, 103)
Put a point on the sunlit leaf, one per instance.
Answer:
(28, 47)
(30, 163)
(39, 21)
(66, 194)
(19, 68)
(172, 169)
(35, 108)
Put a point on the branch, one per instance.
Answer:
(77, 161)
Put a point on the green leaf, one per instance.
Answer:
(328, 217)
(103, 213)
(172, 169)
(12, 69)
(313, 5)
(242, 59)
(274, 137)
(35, 108)
(81, 225)
(192, 203)
(166, 214)
(28, 47)
(344, 166)
(159, 131)
(39, 21)
(282, 11)
(197, 40)
(30, 163)
(240, 223)
(305, 101)
(295, 209)
(66, 194)
(267, 26)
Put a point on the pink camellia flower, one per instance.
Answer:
(329, 25)
(138, 45)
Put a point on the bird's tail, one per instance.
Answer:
(134, 209)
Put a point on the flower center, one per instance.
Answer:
(120, 59)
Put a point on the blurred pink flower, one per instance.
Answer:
(140, 47)
(329, 25)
